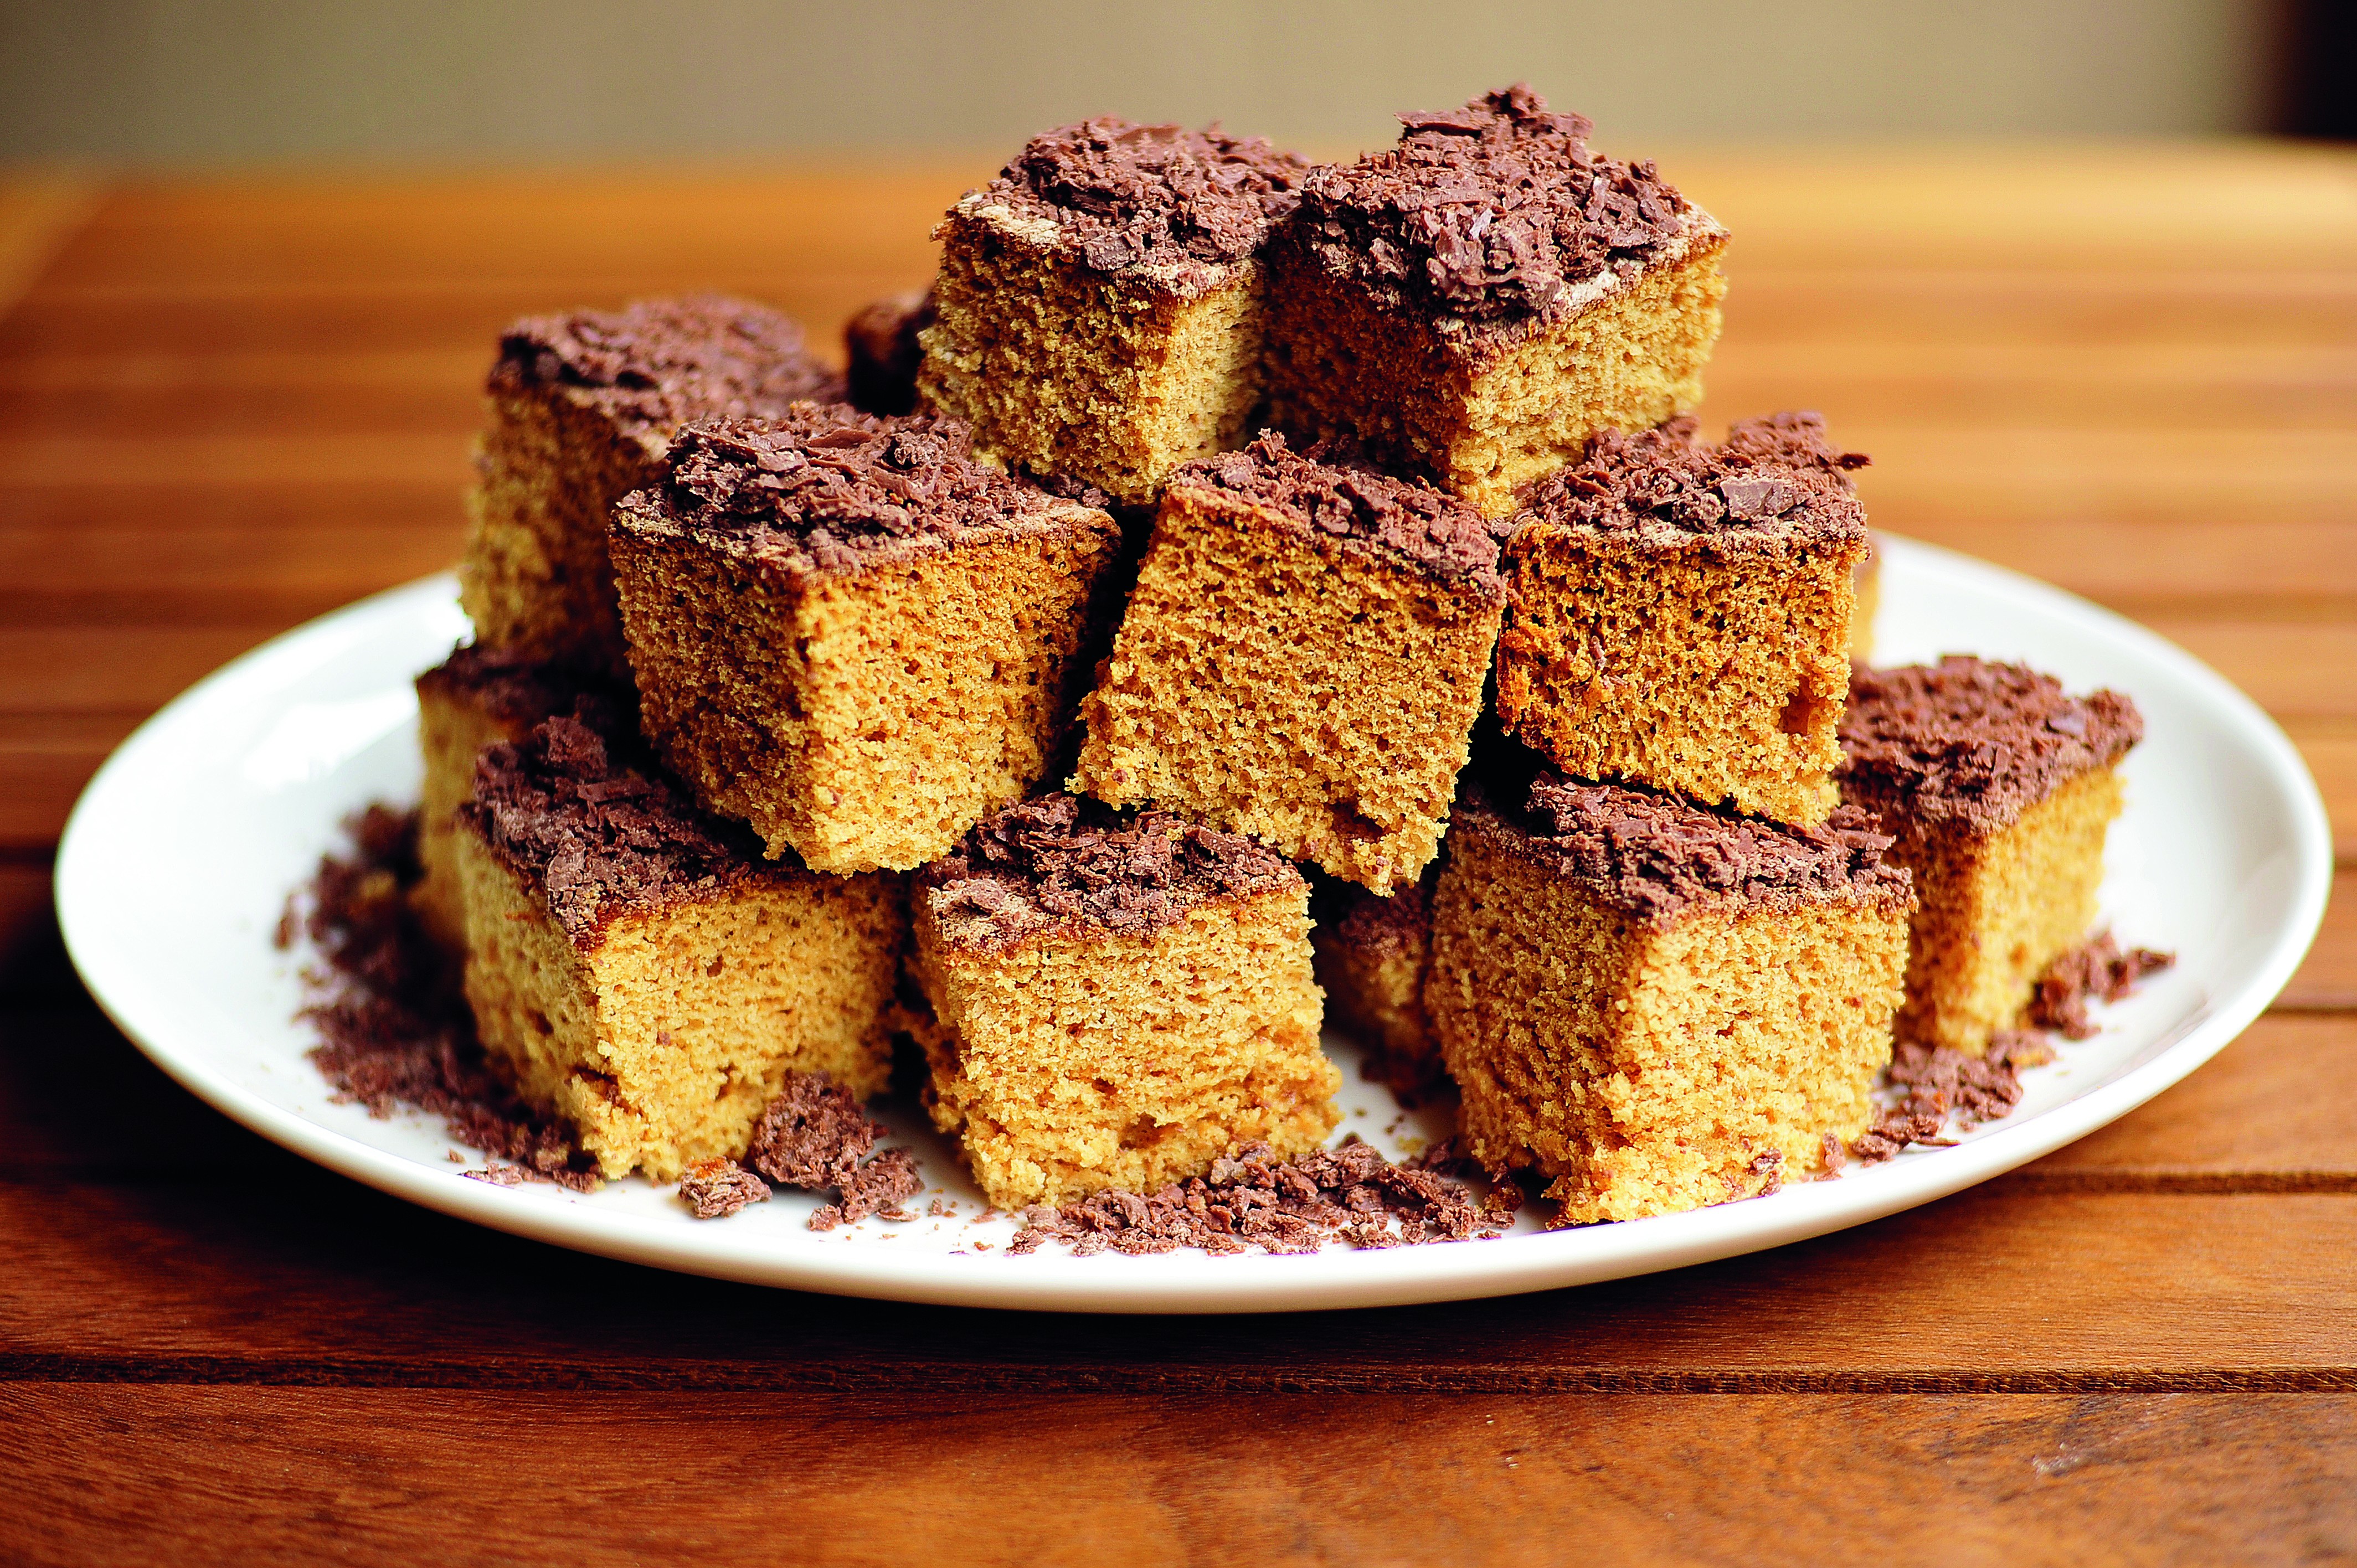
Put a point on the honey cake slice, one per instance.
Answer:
(2000, 789)
(478, 697)
(1099, 311)
(852, 634)
(1477, 301)
(581, 407)
(1371, 954)
(1302, 660)
(1657, 1006)
(1679, 614)
(881, 353)
(1122, 999)
(638, 970)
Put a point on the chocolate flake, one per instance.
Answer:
(1774, 482)
(1350, 1194)
(814, 1136)
(2094, 970)
(394, 1027)
(716, 1188)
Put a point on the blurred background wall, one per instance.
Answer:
(192, 82)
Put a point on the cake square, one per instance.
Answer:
(850, 634)
(1679, 614)
(881, 353)
(1371, 954)
(638, 970)
(478, 697)
(1657, 1006)
(1999, 788)
(1302, 660)
(1477, 301)
(1122, 999)
(1099, 310)
(582, 406)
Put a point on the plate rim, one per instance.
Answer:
(1331, 1279)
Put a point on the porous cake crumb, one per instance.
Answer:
(1475, 302)
(1657, 1006)
(1099, 311)
(582, 406)
(1122, 999)
(1679, 614)
(1302, 660)
(853, 636)
(635, 968)
(1999, 788)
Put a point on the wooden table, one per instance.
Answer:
(225, 407)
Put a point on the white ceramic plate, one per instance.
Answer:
(178, 859)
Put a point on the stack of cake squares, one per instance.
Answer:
(1217, 524)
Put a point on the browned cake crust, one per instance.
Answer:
(1124, 999)
(881, 353)
(2001, 788)
(477, 697)
(1478, 300)
(851, 634)
(1100, 311)
(1302, 660)
(1659, 1007)
(635, 969)
(1680, 614)
(581, 407)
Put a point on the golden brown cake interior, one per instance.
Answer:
(860, 704)
(1312, 684)
(1482, 341)
(632, 971)
(1999, 788)
(1168, 1018)
(1099, 311)
(1653, 1057)
(1658, 632)
(581, 407)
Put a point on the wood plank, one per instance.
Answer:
(2327, 980)
(40, 211)
(299, 1475)
(2331, 751)
(292, 1275)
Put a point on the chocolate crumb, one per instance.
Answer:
(876, 1189)
(2094, 970)
(716, 1188)
(1349, 1193)
(813, 1135)
(394, 1027)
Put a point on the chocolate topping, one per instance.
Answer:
(882, 353)
(1494, 215)
(1059, 864)
(658, 363)
(1656, 857)
(521, 689)
(1973, 743)
(825, 488)
(1183, 205)
(716, 1188)
(600, 838)
(1322, 494)
(1774, 482)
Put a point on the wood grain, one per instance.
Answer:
(164, 1473)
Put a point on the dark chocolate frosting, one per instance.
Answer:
(1181, 202)
(600, 837)
(1774, 483)
(1493, 214)
(1330, 495)
(1657, 857)
(827, 489)
(1065, 864)
(1973, 743)
(658, 363)
(521, 689)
